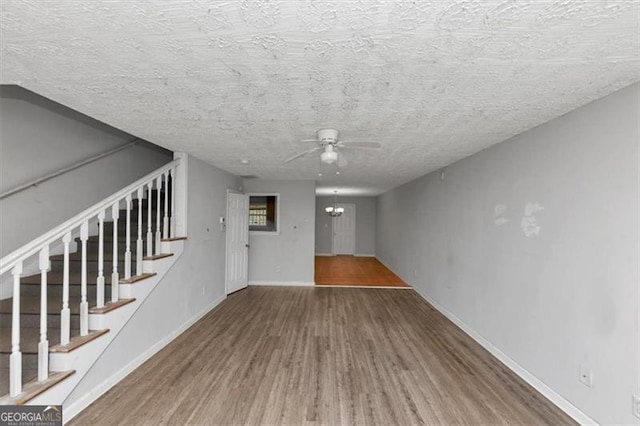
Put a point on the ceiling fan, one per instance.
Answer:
(329, 143)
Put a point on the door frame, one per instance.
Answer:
(226, 242)
(333, 224)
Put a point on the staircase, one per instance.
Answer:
(67, 309)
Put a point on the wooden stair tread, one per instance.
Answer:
(77, 341)
(173, 239)
(110, 306)
(30, 336)
(34, 388)
(158, 256)
(137, 278)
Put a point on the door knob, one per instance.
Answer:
(246, 245)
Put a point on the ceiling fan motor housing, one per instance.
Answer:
(328, 136)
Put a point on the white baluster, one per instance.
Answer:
(115, 277)
(158, 196)
(173, 203)
(149, 229)
(84, 304)
(15, 360)
(65, 313)
(43, 345)
(100, 280)
(139, 241)
(127, 251)
(165, 227)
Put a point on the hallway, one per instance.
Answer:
(352, 271)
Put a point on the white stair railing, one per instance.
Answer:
(15, 359)
(166, 226)
(139, 242)
(115, 276)
(158, 210)
(127, 250)
(43, 345)
(100, 279)
(65, 314)
(149, 224)
(84, 303)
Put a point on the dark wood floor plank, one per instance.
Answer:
(281, 355)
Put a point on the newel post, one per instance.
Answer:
(180, 194)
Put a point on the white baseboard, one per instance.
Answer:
(537, 384)
(74, 409)
(355, 255)
(284, 283)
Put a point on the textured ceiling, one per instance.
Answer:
(432, 81)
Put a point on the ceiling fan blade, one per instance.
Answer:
(310, 140)
(302, 154)
(347, 144)
(342, 160)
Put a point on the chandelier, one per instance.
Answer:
(334, 211)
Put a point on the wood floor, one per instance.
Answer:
(354, 271)
(295, 355)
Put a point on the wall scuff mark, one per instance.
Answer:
(529, 223)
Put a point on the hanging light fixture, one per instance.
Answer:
(334, 211)
(329, 155)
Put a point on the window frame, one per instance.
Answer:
(267, 194)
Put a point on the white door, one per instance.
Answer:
(237, 267)
(344, 230)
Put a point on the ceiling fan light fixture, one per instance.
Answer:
(327, 141)
(329, 156)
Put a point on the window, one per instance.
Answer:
(263, 212)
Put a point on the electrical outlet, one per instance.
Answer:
(278, 268)
(203, 290)
(586, 376)
(636, 406)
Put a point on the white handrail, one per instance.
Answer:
(38, 181)
(31, 248)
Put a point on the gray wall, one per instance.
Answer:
(37, 137)
(365, 224)
(192, 284)
(287, 258)
(565, 297)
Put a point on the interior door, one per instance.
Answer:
(344, 231)
(237, 263)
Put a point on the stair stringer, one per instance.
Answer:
(83, 358)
